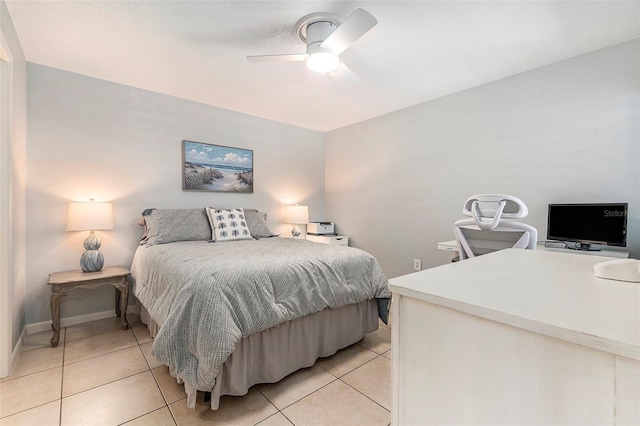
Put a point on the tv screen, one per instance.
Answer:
(604, 224)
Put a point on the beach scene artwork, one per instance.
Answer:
(216, 168)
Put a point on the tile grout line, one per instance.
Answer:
(268, 417)
(149, 369)
(342, 381)
(317, 390)
(64, 351)
(142, 415)
(164, 398)
(106, 353)
(93, 335)
(288, 419)
(355, 368)
(307, 395)
(37, 372)
(106, 383)
(112, 381)
(62, 368)
(270, 402)
(360, 392)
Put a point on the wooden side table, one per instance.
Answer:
(64, 282)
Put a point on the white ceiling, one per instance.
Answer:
(420, 50)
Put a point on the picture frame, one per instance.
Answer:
(216, 168)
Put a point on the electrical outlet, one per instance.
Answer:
(417, 265)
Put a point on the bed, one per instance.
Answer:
(228, 314)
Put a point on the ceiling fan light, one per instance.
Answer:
(323, 62)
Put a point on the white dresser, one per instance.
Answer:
(336, 240)
(515, 337)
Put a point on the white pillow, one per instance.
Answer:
(228, 224)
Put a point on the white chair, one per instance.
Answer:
(492, 226)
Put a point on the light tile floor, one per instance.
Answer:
(102, 375)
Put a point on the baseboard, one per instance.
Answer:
(78, 319)
(17, 350)
(15, 354)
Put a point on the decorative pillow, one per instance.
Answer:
(169, 225)
(228, 225)
(257, 223)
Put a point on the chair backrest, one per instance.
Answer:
(493, 213)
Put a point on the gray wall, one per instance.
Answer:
(89, 138)
(566, 132)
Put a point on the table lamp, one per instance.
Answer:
(92, 217)
(297, 215)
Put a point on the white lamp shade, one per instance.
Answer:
(297, 214)
(89, 216)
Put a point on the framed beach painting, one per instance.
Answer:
(217, 168)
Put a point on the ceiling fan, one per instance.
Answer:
(326, 36)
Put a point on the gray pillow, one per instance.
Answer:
(169, 225)
(257, 223)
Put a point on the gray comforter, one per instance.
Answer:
(208, 296)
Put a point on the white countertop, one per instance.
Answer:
(555, 294)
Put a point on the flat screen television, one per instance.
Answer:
(586, 224)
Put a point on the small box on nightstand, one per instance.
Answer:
(336, 240)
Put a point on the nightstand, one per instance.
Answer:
(64, 282)
(336, 240)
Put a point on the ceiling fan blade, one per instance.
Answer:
(354, 27)
(344, 75)
(278, 58)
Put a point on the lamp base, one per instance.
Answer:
(295, 232)
(91, 260)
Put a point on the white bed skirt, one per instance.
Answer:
(272, 354)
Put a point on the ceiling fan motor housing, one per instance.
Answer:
(317, 32)
(320, 59)
(305, 22)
